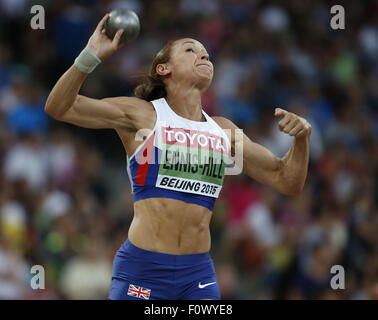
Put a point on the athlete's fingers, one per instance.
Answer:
(284, 121)
(117, 38)
(278, 112)
(294, 122)
(301, 133)
(306, 130)
(295, 130)
(101, 24)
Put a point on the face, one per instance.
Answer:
(190, 63)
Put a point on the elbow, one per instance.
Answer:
(54, 110)
(50, 110)
(294, 189)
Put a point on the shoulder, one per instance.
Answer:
(224, 123)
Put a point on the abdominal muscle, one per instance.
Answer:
(162, 224)
(170, 226)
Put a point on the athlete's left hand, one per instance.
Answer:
(292, 124)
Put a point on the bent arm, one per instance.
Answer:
(286, 175)
(65, 104)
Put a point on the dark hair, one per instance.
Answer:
(152, 86)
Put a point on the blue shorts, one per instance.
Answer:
(142, 274)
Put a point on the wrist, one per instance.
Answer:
(302, 138)
(87, 60)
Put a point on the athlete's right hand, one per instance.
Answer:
(101, 44)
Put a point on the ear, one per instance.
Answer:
(163, 69)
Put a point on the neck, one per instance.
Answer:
(186, 102)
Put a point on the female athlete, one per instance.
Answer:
(177, 171)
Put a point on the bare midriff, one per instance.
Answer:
(170, 226)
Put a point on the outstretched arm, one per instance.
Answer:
(287, 174)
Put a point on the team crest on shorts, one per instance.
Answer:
(139, 292)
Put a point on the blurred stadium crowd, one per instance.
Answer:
(65, 200)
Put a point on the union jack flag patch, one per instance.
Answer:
(139, 292)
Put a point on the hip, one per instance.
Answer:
(164, 276)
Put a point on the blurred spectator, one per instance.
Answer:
(73, 19)
(228, 281)
(240, 108)
(13, 272)
(28, 160)
(88, 275)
